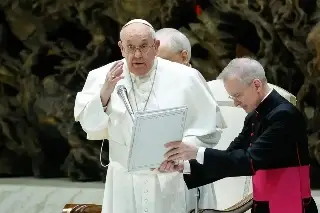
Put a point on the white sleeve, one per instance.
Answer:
(88, 109)
(186, 167)
(200, 155)
(200, 159)
(202, 114)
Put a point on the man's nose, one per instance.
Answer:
(137, 53)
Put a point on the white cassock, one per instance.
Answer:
(174, 85)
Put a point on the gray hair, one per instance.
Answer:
(245, 69)
(176, 40)
(141, 21)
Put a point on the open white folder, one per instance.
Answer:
(150, 132)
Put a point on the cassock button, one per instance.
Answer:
(252, 134)
(145, 191)
(146, 210)
(146, 181)
(146, 200)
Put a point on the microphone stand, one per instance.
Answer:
(123, 94)
(196, 210)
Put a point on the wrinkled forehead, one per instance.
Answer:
(137, 34)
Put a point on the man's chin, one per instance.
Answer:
(246, 109)
(139, 71)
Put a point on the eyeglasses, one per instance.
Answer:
(239, 95)
(236, 97)
(143, 48)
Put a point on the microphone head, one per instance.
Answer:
(121, 89)
(123, 94)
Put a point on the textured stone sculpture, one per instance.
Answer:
(48, 47)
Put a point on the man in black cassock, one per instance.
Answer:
(272, 146)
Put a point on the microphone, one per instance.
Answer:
(123, 94)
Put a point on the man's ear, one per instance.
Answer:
(156, 45)
(257, 84)
(121, 48)
(184, 56)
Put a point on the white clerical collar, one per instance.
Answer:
(146, 76)
(267, 94)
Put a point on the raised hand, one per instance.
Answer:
(112, 78)
(114, 75)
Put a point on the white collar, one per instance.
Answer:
(267, 94)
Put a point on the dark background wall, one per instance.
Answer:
(48, 47)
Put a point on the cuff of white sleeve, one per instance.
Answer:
(200, 155)
(94, 118)
(186, 167)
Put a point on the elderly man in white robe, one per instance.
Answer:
(174, 46)
(151, 83)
